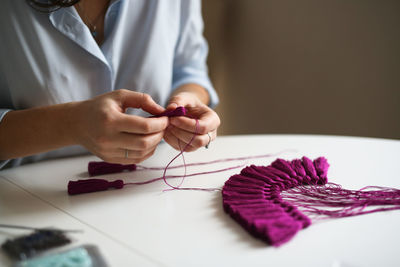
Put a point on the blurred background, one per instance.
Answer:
(310, 66)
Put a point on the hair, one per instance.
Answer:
(48, 6)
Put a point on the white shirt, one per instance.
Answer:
(150, 46)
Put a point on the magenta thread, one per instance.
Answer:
(179, 154)
(184, 163)
(96, 168)
(100, 168)
(271, 202)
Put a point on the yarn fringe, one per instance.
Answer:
(272, 202)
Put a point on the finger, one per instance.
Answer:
(138, 142)
(185, 123)
(171, 140)
(135, 154)
(178, 100)
(206, 123)
(131, 99)
(139, 125)
(122, 153)
(124, 160)
(176, 143)
(194, 140)
(132, 154)
(151, 153)
(172, 106)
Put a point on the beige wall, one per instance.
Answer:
(323, 67)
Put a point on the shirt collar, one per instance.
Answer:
(68, 22)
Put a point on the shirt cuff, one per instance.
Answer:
(3, 112)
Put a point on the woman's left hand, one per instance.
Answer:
(184, 132)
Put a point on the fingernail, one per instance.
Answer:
(172, 106)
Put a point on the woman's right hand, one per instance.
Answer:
(105, 130)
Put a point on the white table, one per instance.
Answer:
(143, 226)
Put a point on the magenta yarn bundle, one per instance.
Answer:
(266, 201)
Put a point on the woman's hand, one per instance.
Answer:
(182, 130)
(105, 130)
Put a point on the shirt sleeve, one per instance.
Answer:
(3, 112)
(191, 51)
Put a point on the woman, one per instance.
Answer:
(70, 75)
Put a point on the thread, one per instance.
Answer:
(271, 202)
(101, 168)
(96, 168)
(180, 154)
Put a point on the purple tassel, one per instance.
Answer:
(270, 202)
(179, 111)
(266, 200)
(100, 167)
(253, 198)
(92, 185)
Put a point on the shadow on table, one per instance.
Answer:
(21, 205)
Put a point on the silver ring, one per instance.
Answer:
(126, 153)
(209, 140)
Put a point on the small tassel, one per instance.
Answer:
(92, 185)
(100, 167)
(179, 111)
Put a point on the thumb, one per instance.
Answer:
(172, 106)
(131, 99)
(176, 101)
